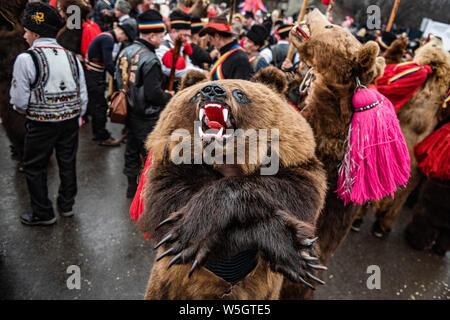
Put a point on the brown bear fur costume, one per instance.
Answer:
(337, 58)
(418, 118)
(430, 226)
(71, 38)
(11, 44)
(396, 51)
(204, 214)
(198, 8)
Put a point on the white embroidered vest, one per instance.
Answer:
(56, 94)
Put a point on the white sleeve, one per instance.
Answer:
(296, 58)
(160, 52)
(24, 73)
(83, 89)
(267, 55)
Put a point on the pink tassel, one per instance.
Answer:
(376, 161)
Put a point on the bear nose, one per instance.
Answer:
(213, 91)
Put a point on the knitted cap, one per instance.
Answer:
(284, 29)
(180, 20)
(386, 39)
(196, 25)
(151, 21)
(42, 19)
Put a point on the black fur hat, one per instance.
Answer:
(42, 19)
(258, 34)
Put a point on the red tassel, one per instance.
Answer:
(376, 161)
(433, 154)
(137, 206)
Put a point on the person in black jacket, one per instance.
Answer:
(233, 61)
(145, 96)
(98, 61)
(200, 56)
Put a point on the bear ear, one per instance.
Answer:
(272, 77)
(192, 77)
(367, 55)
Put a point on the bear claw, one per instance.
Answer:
(317, 266)
(194, 265)
(165, 254)
(309, 242)
(174, 260)
(315, 278)
(163, 241)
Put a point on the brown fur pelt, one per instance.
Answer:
(260, 284)
(71, 38)
(199, 8)
(430, 226)
(11, 44)
(396, 51)
(213, 216)
(418, 118)
(337, 58)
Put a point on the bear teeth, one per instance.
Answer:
(225, 115)
(201, 114)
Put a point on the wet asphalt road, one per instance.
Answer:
(115, 259)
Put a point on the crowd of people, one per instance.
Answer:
(145, 49)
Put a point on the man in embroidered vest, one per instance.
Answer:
(145, 97)
(98, 60)
(255, 39)
(233, 61)
(49, 87)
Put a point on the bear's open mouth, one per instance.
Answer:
(302, 31)
(215, 118)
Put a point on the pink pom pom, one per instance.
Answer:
(376, 161)
(326, 2)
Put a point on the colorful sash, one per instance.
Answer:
(252, 59)
(446, 101)
(216, 71)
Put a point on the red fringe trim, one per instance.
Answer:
(433, 154)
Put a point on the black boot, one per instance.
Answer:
(132, 187)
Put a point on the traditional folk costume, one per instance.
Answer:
(233, 61)
(49, 87)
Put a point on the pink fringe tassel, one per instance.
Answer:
(376, 161)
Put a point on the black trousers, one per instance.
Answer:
(40, 140)
(138, 130)
(95, 82)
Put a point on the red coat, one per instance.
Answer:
(90, 31)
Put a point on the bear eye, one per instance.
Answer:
(240, 96)
(195, 98)
(329, 26)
